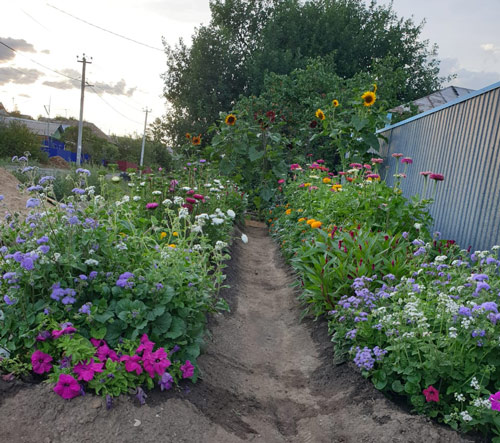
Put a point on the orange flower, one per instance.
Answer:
(288, 211)
(316, 224)
(230, 120)
(196, 140)
(327, 180)
(335, 103)
(188, 135)
(163, 235)
(310, 221)
(301, 219)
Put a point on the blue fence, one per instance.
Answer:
(460, 140)
(54, 148)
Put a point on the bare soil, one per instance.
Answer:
(267, 377)
(13, 201)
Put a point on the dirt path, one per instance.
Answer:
(266, 378)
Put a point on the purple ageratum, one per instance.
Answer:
(93, 275)
(486, 306)
(419, 251)
(35, 188)
(74, 220)
(166, 381)
(351, 334)
(45, 179)
(480, 277)
(364, 359)
(8, 300)
(85, 309)
(78, 191)
(83, 171)
(464, 311)
(32, 203)
(44, 249)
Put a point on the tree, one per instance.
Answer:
(246, 39)
(17, 139)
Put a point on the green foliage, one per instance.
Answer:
(247, 40)
(17, 139)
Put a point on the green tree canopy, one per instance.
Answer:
(246, 39)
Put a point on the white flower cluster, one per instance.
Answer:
(459, 397)
(156, 193)
(483, 403)
(183, 213)
(475, 384)
(452, 332)
(136, 198)
(178, 200)
(220, 245)
(91, 262)
(465, 416)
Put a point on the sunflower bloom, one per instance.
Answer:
(336, 187)
(320, 114)
(369, 98)
(335, 103)
(196, 140)
(230, 120)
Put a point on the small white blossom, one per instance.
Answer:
(475, 384)
(178, 200)
(57, 256)
(183, 213)
(91, 262)
(166, 202)
(156, 193)
(452, 332)
(220, 245)
(459, 397)
(137, 198)
(465, 416)
(440, 258)
(217, 221)
(231, 213)
(417, 226)
(142, 184)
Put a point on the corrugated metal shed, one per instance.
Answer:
(460, 140)
(35, 126)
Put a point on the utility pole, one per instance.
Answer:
(47, 110)
(144, 135)
(80, 123)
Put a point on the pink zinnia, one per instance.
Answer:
(397, 155)
(342, 173)
(281, 181)
(426, 173)
(156, 362)
(191, 200)
(132, 363)
(151, 205)
(190, 192)
(320, 161)
(295, 166)
(67, 387)
(366, 166)
(187, 369)
(86, 369)
(198, 197)
(437, 177)
(407, 160)
(431, 394)
(377, 160)
(373, 176)
(40, 361)
(495, 401)
(356, 165)
(57, 333)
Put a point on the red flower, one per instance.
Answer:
(431, 394)
(271, 116)
(437, 177)
(313, 124)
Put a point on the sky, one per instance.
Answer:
(50, 38)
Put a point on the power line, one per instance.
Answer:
(106, 30)
(117, 99)
(39, 64)
(114, 109)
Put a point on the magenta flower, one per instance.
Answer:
(57, 333)
(67, 387)
(97, 343)
(495, 401)
(190, 192)
(397, 155)
(191, 200)
(151, 205)
(407, 160)
(431, 394)
(86, 369)
(373, 176)
(356, 165)
(437, 177)
(146, 345)
(295, 166)
(377, 160)
(132, 363)
(426, 173)
(198, 197)
(41, 362)
(156, 362)
(367, 166)
(187, 369)
(281, 181)
(104, 352)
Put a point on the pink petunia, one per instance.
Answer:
(40, 361)
(57, 333)
(146, 345)
(104, 352)
(67, 387)
(86, 369)
(156, 362)
(97, 343)
(431, 394)
(187, 369)
(495, 401)
(132, 363)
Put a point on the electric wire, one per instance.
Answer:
(106, 30)
(111, 106)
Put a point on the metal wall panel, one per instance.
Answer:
(460, 140)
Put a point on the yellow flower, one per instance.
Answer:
(301, 219)
(163, 235)
(300, 210)
(310, 221)
(172, 246)
(335, 103)
(122, 234)
(316, 224)
(230, 120)
(369, 98)
(337, 187)
(327, 180)
(320, 114)
(307, 184)
(288, 211)
(175, 234)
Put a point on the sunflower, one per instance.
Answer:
(188, 135)
(230, 120)
(320, 114)
(196, 140)
(369, 98)
(335, 103)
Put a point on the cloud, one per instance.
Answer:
(62, 84)
(45, 51)
(189, 11)
(19, 76)
(467, 78)
(17, 44)
(119, 88)
(25, 95)
(490, 47)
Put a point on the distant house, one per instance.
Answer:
(434, 100)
